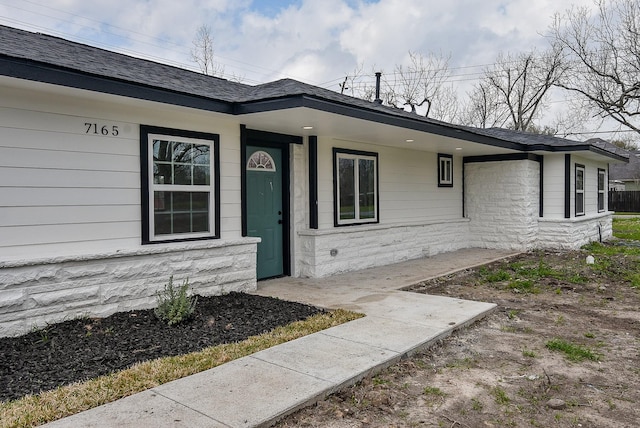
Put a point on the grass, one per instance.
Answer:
(500, 395)
(51, 405)
(627, 228)
(572, 352)
(434, 391)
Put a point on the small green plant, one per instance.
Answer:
(494, 276)
(573, 352)
(175, 305)
(589, 335)
(512, 314)
(377, 380)
(434, 391)
(476, 404)
(523, 286)
(500, 395)
(528, 353)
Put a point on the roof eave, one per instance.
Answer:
(46, 73)
(330, 106)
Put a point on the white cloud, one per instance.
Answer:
(316, 41)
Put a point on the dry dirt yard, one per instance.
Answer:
(562, 349)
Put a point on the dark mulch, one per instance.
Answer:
(85, 348)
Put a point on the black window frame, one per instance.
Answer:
(146, 187)
(448, 159)
(602, 193)
(580, 167)
(358, 154)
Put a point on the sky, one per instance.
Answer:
(314, 41)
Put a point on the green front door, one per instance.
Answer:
(264, 207)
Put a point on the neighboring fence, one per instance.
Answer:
(626, 201)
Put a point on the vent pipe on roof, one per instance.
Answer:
(378, 100)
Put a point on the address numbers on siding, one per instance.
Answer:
(94, 128)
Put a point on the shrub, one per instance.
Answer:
(175, 305)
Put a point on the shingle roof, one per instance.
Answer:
(100, 62)
(34, 49)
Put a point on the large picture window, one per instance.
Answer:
(355, 187)
(180, 185)
(601, 190)
(579, 190)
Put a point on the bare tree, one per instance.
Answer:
(483, 108)
(513, 92)
(355, 84)
(604, 53)
(422, 82)
(202, 52)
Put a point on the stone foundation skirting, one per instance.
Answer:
(36, 292)
(346, 249)
(573, 233)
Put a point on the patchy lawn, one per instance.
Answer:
(562, 350)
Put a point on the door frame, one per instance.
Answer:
(251, 137)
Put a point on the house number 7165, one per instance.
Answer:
(94, 128)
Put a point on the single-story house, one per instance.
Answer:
(117, 172)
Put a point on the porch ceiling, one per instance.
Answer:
(344, 128)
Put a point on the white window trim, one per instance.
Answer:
(356, 183)
(580, 191)
(602, 192)
(445, 164)
(153, 187)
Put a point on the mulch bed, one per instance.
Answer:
(85, 348)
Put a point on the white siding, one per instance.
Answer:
(70, 208)
(554, 189)
(66, 191)
(408, 189)
(553, 171)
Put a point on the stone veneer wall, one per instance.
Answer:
(502, 203)
(44, 291)
(360, 247)
(573, 233)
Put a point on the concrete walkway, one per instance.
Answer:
(259, 389)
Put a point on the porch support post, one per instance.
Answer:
(567, 185)
(313, 182)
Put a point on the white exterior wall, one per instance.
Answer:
(502, 203)
(553, 185)
(337, 250)
(555, 231)
(408, 189)
(36, 292)
(573, 233)
(299, 202)
(70, 207)
(417, 218)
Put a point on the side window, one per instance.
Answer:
(579, 190)
(180, 185)
(601, 190)
(445, 170)
(355, 187)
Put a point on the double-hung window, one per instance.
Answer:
(445, 170)
(355, 187)
(579, 190)
(601, 189)
(180, 185)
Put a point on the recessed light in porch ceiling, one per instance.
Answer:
(458, 148)
(307, 127)
(409, 140)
